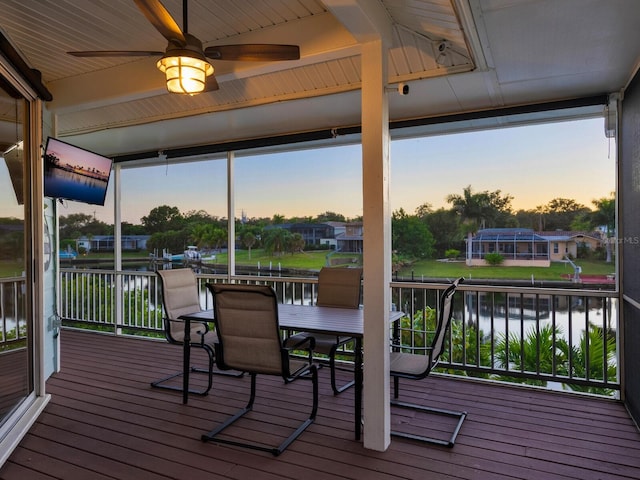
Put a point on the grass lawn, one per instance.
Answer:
(428, 268)
(433, 268)
(314, 260)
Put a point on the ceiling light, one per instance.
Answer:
(185, 71)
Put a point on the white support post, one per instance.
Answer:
(231, 218)
(117, 246)
(377, 244)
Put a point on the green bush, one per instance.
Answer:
(494, 258)
(452, 253)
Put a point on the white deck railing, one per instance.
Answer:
(558, 338)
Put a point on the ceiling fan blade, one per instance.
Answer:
(253, 52)
(161, 19)
(116, 53)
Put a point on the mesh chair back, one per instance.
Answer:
(339, 287)
(446, 312)
(179, 297)
(246, 319)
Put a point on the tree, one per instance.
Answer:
(444, 225)
(202, 235)
(131, 229)
(198, 216)
(277, 219)
(589, 353)
(424, 210)
(560, 213)
(410, 236)
(276, 240)
(163, 219)
(173, 241)
(249, 240)
(582, 223)
(218, 237)
(480, 210)
(296, 243)
(605, 215)
(330, 217)
(543, 351)
(75, 225)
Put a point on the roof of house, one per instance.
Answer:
(528, 235)
(507, 235)
(566, 235)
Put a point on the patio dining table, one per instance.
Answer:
(314, 319)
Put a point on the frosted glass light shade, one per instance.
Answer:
(185, 74)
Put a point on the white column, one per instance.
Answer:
(231, 217)
(117, 246)
(377, 245)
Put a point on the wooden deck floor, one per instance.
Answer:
(104, 421)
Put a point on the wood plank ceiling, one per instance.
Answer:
(133, 89)
(456, 55)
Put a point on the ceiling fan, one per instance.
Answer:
(184, 62)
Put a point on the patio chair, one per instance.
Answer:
(416, 366)
(246, 318)
(337, 287)
(179, 297)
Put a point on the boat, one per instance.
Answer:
(192, 254)
(67, 255)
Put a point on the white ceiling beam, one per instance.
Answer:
(367, 20)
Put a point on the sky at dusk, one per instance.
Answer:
(533, 164)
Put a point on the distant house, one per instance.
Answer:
(312, 233)
(352, 239)
(518, 247)
(340, 236)
(339, 229)
(524, 247)
(563, 243)
(105, 243)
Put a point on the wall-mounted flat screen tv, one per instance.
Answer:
(73, 173)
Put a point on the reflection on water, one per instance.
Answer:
(524, 312)
(63, 184)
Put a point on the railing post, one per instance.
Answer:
(118, 301)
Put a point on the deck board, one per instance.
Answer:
(105, 421)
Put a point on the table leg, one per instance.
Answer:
(358, 387)
(186, 360)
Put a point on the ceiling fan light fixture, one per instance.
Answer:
(185, 72)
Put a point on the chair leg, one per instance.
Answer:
(332, 366)
(435, 441)
(209, 372)
(226, 373)
(275, 451)
(159, 383)
(211, 435)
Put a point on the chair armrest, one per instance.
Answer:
(307, 343)
(201, 322)
(201, 333)
(300, 344)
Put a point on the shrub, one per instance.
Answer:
(494, 258)
(452, 253)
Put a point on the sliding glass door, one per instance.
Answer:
(16, 369)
